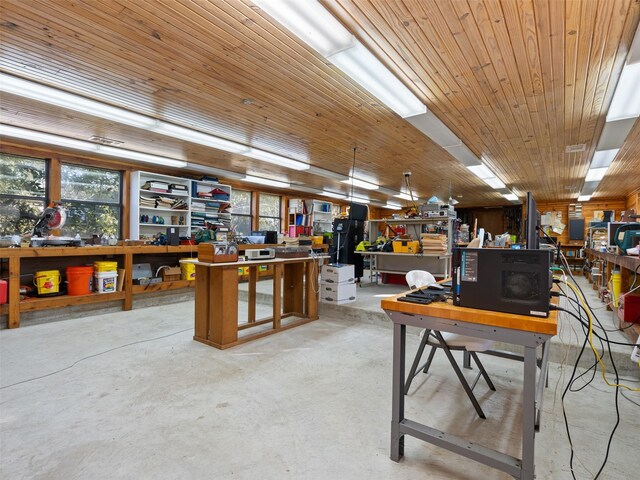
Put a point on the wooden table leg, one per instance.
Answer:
(277, 293)
(292, 300)
(253, 279)
(201, 328)
(311, 289)
(223, 305)
(128, 281)
(14, 292)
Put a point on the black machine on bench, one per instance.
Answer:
(503, 280)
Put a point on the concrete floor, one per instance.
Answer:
(308, 403)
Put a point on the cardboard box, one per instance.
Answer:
(406, 246)
(337, 293)
(338, 273)
(170, 274)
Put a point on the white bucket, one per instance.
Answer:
(105, 282)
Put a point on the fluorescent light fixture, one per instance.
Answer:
(311, 23)
(53, 96)
(494, 182)
(333, 194)
(200, 138)
(596, 174)
(140, 157)
(358, 200)
(481, 171)
(511, 197)
(604, 158)
(266, 181)
(276, 159)
(392, 206)
(363, 67)
(57, 140)
(361, 184)
(406, 196)
(626, 98)
(584, 198)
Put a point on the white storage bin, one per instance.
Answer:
(105, 282)
(337, 293)
(338, 273)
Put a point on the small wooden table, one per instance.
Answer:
(295, 294)
(530, 332)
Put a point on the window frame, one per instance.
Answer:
(243, 215)
(279, 217)
(47, 184)
(119, 204)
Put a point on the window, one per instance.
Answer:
(241, 208)
(269, 214)
(23, 187)
(92, 198)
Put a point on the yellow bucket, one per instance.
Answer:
(188, 269)
(47, 281)
(317, 240)
(105, 266)
(616, 283)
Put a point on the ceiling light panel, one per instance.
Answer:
(53, 96)
(358, 199)
(604, 158)
(511, 197)
(326, 193)
(363, 67)
(49, 139)
(311, 23)
(406, 196)
(494, 182)
(276, 159)
(361, 184)
(596, 174)
(435, 129)
(626, 98)
(200, 138)
(584, 198)
(481, 171)
(266, 181)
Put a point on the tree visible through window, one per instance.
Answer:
(23, 183)
(269, 212)
(92, 198)
(241, 212)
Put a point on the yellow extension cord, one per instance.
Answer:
(593, 348)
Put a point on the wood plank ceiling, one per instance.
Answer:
(518, 81)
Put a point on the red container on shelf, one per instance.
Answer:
(3, 292)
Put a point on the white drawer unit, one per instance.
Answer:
(337, 273)
(337, 293)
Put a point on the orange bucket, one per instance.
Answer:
(79, 280)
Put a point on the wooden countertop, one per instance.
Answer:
(626, 261)
(93, 250)
(547, 326)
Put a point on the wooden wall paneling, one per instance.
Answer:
(588, 208)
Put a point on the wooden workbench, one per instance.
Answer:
(23, 260)
(295, 294)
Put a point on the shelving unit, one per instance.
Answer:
(439, 264)
(321, 216)
(210, 203)
(148, 201)
(308, 217)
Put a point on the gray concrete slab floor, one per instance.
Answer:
(136, 397)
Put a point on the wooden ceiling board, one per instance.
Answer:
(347, 142)
(516, 80)
(517, 54)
